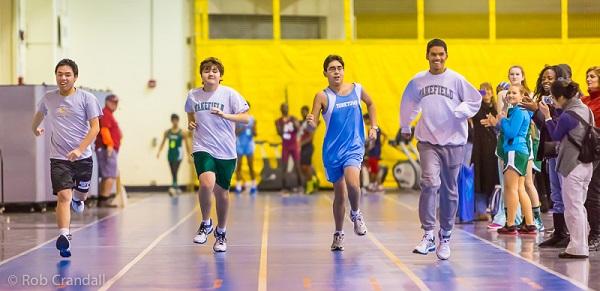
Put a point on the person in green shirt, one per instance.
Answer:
(176, 139)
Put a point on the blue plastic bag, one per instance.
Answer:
(466, 194)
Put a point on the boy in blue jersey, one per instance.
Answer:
(445, 100)
(245, 148)
(343, 147)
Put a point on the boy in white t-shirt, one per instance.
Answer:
(212, 111)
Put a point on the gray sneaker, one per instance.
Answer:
(338, 242)
(203, 232)
(425, 246)
(360, 228)
(443, 250)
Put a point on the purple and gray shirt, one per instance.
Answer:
(69, 117)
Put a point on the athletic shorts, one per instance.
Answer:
(107, 166)
(71, 175)
(223, 169)
(244, 149)
(334, 173)
(306, 154)
(533, 146)
(373, 165)
(517, 161)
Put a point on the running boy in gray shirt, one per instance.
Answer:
(73, 118)
(212, 112)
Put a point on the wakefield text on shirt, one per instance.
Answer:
(202, 106)
(436, 90)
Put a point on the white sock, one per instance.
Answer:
(353, 213)
(63, 231)
(221, 230)
(206, 222)
(339, 232)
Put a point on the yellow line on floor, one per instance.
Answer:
(262, 269)
(411, 275)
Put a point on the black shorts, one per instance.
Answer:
(306, 154)
(71, 175)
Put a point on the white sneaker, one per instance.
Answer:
(203, 232)
(426, 246)
(443, 249)
(338, 242)
(360, 228)
(78, 206)
(220, 242)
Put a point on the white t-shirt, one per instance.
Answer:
(446, 101)
(215, 135)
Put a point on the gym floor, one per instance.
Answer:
(275, 242)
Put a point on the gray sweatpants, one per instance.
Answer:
(440, 166)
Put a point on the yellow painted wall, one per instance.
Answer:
(265, 71)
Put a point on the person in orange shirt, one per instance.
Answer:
(108, 143)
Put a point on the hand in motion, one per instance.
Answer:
(491, 120)
(531, 106)
(545, 110)
(38, 131)
(192, 125)
(372, 134)
(310, 118)
(74, 155)
(217, 111)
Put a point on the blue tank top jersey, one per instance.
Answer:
(345, 130)
(245, 136)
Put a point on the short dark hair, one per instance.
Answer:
(174, 116)
(331, 58)
(437, 42)
(305, 107)
(212, 61)
(67, 62)
(565, 88)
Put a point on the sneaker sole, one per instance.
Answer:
(219, 251)
(338, 249)
(415, 251)
(63, 245)
(443, 259)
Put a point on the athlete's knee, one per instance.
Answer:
(64, 196)
(353, 186)
(339, 199)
